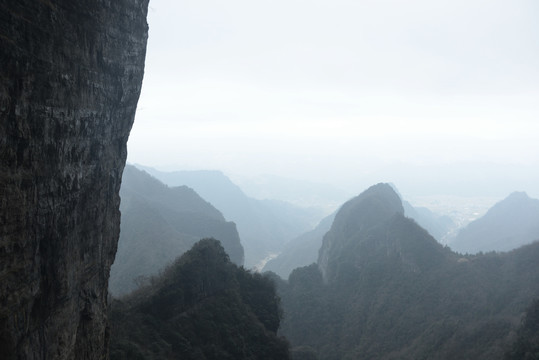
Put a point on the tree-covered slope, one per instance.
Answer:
(384, 288)
(201, 307)
(526, 345)
(511, 223)
(159, 224)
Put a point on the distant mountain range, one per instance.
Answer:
(298, 192)
(265, 226)
(379, 285)
(160, 223)
(384, 288)
(301, 251)
(437, 225)
(511, 223)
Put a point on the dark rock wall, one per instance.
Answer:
(70, 78)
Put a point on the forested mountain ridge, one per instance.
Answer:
(201, 307)
(384, 288)
(160, 223)
(510, 223)
(265, 226)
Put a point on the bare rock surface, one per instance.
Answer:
(70, 78)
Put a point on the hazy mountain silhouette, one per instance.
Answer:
(298, 192)
(159, 224)
(384, 288)
(265, 226)
(301, 251)
(437, 225)
(511, 223)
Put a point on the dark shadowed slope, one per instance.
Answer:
(159, 224)
(384, 288)
(201, 307)
(511, 223)
(526, 345)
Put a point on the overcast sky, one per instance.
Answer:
(344, 91)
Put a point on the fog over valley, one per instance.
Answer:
(277, 180)
(371, 167)
(437, 98)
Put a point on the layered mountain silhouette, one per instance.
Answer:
(299, 192)
(160, 223)
(511, 223)
(373, 225)
(384, 288)
(265, 226)
(201, 307)
(437, 225)
(301, 251)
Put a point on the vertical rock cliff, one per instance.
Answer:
(70, 79)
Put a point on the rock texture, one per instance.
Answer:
(70, 78)
(355, 220)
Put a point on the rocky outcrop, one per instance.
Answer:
(70, 80)
(354, 222)
(384, 288)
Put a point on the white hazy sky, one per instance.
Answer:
(345, 91)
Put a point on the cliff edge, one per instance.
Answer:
(71, 76)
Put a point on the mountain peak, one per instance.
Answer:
(376, 204)
(518, 196)
(510, 223)
(358, 222)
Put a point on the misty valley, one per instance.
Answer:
(204, 271)
(366, 193)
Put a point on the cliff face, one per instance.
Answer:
(354, 223)
(70, 80)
